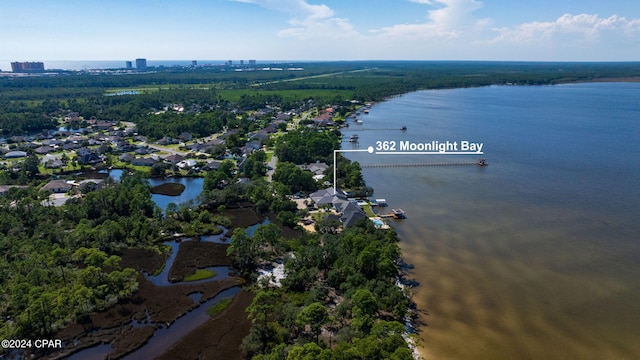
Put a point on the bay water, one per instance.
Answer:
(536, 256)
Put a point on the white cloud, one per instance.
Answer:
(309, 28)
(308, 20)
(584, 28)
(453, 19)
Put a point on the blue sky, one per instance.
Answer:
(540, 30)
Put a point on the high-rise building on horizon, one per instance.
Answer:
(141, 63)
(129, 65)
(27, 66)
(194, 63)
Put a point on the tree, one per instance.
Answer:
(215, 179)
(158, 169)
(309, 351)
(294, 177)
(268, 235)
(260, 310)
(364, 308)
(245, 251)
(287, 218)
(315, 316)
(30, 167)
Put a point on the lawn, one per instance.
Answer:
(368, 210)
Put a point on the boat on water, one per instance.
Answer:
(358, 122)
(403, 128)
(482, 162)
(353, 138)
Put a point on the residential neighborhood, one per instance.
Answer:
(103, 144)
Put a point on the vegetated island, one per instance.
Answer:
(80, 251)
(170, 189)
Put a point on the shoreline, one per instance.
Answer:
(451, 320)
(631, 79)
(411, 327)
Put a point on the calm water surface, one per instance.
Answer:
(192, 189)
(536, 256)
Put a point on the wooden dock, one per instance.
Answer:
(395, 213)
(420, 164)
(360, 128)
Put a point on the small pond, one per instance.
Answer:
(192, 188)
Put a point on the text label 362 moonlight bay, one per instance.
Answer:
(434, 146)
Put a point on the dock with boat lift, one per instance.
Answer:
(395, 213)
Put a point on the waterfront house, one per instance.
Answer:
(349, 212)
(52, 162)
(143, 162)
(212, 165)
(350, 219)
(186, 164)
(126, 158)
(87, 156)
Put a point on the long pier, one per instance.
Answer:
(420, 164)
(360, 128)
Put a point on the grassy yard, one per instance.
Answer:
(368, 210)
(269, 156)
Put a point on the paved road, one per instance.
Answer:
(271, 165)
(165, 149)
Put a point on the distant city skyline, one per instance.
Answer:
(544, 30)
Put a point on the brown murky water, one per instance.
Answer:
(536, 256)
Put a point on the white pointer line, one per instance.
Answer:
(429, 153)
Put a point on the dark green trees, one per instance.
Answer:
(338, 300)
(307, 146)
(59, 264)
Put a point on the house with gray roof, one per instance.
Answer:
(15, 154)
(45, 149)
(323, 197)
(57, 186)
(174, 158)
(143, 161)
(350, 212)
(52, 162)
